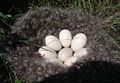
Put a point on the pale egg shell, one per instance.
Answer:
(78, 42)
(65, 37)
(81, 52)
(53, 42)
(71, 61)
(47, 52)
(56, 61)
(65, 53)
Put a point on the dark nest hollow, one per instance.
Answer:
(101, 65)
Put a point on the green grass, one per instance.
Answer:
(5, 21)
(108, 10)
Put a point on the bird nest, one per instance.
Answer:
(28, 34)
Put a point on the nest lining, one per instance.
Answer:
(28, 35)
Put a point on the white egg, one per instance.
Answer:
(81, 52)
(55, 61)
(53, 42)
(47, 52)
(78, 42)
(65, 53)
(71, 61)
(65, 37)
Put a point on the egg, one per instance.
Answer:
(53, 42)
(47, 52)
(65, 53)
(81, 52)
(78, 42)
(65, 37)
(71, 61)
(55, 61)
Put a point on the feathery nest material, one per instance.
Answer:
(28, 35)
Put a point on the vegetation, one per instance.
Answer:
(108, 10)
(5, 21)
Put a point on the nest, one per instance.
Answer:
(28, 35)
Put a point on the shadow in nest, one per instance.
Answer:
(89, 72)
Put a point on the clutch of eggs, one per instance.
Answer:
(69, 50)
